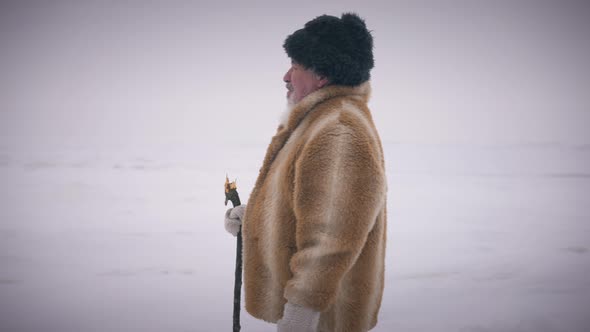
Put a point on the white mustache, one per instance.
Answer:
(289, 87)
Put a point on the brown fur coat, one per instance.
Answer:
(315, 225)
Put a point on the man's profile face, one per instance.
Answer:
(301, 82)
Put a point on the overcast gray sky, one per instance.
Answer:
(139, 73)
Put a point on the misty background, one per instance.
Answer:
(120, 120)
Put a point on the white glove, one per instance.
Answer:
(297, 318)
(233, 219)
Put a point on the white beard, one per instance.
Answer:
(284, 118)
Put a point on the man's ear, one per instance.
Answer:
(322, 81)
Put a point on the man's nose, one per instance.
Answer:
(287, 76)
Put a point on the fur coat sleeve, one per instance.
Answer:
(339, 190)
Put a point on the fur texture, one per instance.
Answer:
(340, 49)
(315, 227)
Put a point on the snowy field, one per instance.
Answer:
(480, 238)
(120, 119)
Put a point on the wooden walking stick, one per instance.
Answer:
(231, 194)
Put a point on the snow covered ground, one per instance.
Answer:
(120, 119)
(480, 238)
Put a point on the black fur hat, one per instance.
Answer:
(339, 48)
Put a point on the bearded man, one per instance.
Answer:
(314, 229)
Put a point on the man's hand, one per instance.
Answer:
(297, 318)
(233, 219)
